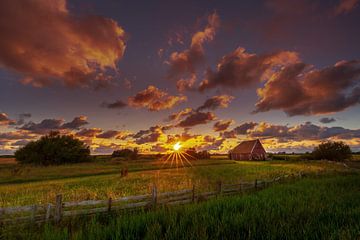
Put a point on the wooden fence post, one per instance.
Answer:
(109, 204)
(58, 208)
(33, 213)
(193, 193)
(219, 187)
(48, 212)
(256, 183)
(240, 188)
(154, 196)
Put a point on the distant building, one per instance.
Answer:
(248, 150)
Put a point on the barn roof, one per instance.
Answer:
(246, 147)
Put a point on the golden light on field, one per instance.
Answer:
(177, 146)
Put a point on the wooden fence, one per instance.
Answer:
(56, 212)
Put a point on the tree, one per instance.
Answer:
(126, 153)
(53, 149)
(335, 151)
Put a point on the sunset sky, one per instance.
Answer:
(210, 74)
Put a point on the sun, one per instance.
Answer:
(177, 146)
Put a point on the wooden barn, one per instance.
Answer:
(248, 150)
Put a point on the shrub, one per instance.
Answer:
(335, 151)
(53, 149)
(126, 153)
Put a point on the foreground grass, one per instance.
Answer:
(101, 180)
(314, 208)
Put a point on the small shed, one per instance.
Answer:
(248, 150)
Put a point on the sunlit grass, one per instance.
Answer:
(100, 180)
(312, 208)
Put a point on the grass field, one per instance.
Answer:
(101, 179)
(312, 208)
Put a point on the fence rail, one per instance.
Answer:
(56, 212)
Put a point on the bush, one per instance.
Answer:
(53, 149)
(334, 151)
(126, 153)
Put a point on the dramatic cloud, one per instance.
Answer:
(196, 118)
(215, 102)
(345, 6)
(186, 62)
(299, 89)
(114, 105)
(242, 129)
(5, 120)
(154, 99)
(89, 132)
(113, 134)
(241, 69)
(76, 50)
(186, 83)
(76, 123)
(48, 125)
(222, 125)
(153, 134)
(301, 132)
(327, 120)
(178, 115)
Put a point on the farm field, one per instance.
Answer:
(324, 207)
(101, 179)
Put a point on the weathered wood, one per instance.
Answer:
(84, 203)
(193, 194)
(219, 187)
(33, 212)
(176, 198)
(48, 213)
(58, 208)
(132, 198)
(109, 204)
(11, 210)
(256, 183)
(154, 196)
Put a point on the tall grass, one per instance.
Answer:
(318, 208)
(80, 182)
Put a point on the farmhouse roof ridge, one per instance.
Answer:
(247, 146)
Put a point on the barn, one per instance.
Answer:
(248, 150)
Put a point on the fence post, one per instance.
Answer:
(193, 193)
(256, 184)
(240, 188)
(48, 212)
(219, 187)
(109, 204)
(154, 196)
(58, 208)
(33, 213)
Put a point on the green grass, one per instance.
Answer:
(312, 208)
(101, 179)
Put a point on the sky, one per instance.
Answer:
(209, 74)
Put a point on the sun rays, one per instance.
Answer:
(178, 157)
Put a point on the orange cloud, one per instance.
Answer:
(222, 125)
(345, 6)
(220, 101)
(300, 89)
(186, 62)
(242, 69)
(154, 99)
(45, 42)
(5, 120)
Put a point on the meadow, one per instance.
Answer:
(325, 207)
(101, 178)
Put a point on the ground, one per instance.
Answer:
(315, 207)
(101, 179)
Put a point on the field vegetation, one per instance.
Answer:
(324, 207)
(101, 178)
